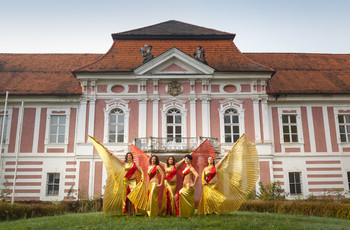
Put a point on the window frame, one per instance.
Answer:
(53, 183)
(116, 125)
(301, 183)
(7, 131)
(224, 106)
(174, 115)
(340, 111)
(231, 125)
(181, 106)
(291, 111)
(347, 134)
(111, 105)
(54, 111)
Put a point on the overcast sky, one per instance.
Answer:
(85, 26)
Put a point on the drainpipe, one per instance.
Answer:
(17, 152)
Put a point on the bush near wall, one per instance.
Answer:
(298, 207)
(307, 208)
(30, 209)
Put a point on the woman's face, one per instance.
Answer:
(210, 160)
(153, 160)
(187, 160)
(129, 157)
(171, 161)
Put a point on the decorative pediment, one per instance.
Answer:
(173, 61)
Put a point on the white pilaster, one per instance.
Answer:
(36, 129)
(326, 129)
(206, 117)
(142, 117)
(81, 122)
(256, 120)
(91, 117)
(266, 120)
(155, 117)
(193, 119)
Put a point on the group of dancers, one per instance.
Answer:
(225, 183)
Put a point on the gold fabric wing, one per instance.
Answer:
(138, 196)
(211, 199)
(238, 174)
(113, 195)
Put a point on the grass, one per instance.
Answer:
(236, 220)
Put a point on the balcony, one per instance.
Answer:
(173, 144)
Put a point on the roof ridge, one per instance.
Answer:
(173, 29)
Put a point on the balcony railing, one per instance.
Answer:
(173, 144)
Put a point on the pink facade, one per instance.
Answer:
(297, 131)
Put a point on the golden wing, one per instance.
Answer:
(138, 196)
(238, 174)
(113, 196)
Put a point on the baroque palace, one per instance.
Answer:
(166, 88)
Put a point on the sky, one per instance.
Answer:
(85, 26)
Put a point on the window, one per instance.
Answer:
(295, 183)
(290, 131)
(57, 128)
(5, 127)
(231, 125)
(344, 127)
(174, 125)
(53, 184)
(116, 126)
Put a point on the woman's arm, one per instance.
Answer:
(217, 165)
(162, 164)
(120, 160)
(161, 176)
(179, 163)
(195, 176)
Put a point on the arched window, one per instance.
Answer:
(174, 125)
(116, 126)
(231, 125)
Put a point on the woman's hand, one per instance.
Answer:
(191, 185)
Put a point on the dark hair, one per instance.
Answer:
(189, 157)
(213, 161)
(126, 156)
(157, 159)
(167, 160)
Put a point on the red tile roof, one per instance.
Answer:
(222, 55)
(41, 74)
(302, 73)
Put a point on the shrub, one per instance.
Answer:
(28, 209)
(272, 191)
(305, 208)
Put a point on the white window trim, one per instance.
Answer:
(174, 104)
(50, 112)
(60, 195)
(300, 143)
(336, 114)
(8, 128)
(116, 104)
(302, 186)
(231, 104)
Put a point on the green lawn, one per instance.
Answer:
(236, 220)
